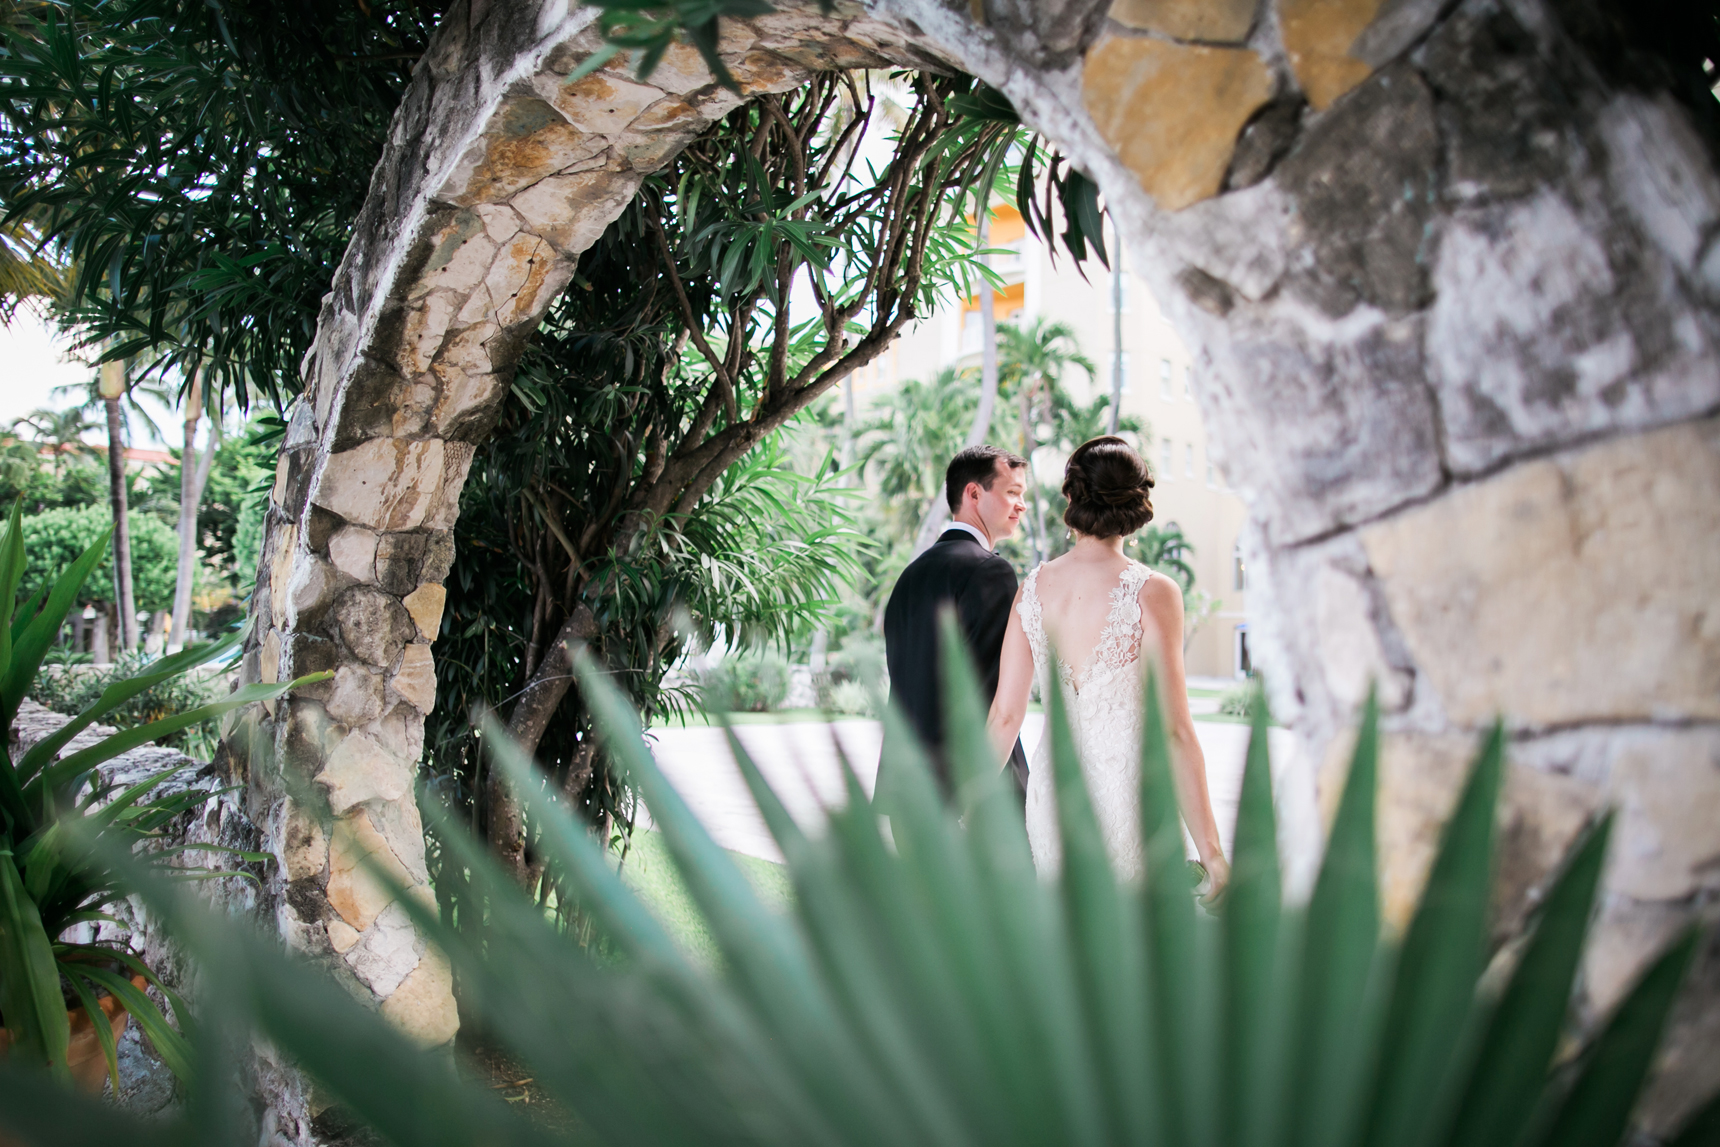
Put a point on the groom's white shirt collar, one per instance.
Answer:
(978, 534)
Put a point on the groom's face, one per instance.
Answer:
(1000, 508)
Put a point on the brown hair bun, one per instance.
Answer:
(1108, 487)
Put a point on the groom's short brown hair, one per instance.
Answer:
(976, 464)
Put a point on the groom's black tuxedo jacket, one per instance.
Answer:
(958, 571)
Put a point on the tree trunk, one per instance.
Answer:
(526, 724)
(113, 387)
(937, 506)
(193, 479)
(1116, 335)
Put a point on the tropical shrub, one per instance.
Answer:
(745, 683)
(1236, 701)
(72, 689)
(941, 992)
(62, 832)
(54, 539)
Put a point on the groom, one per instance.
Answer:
(984, 486)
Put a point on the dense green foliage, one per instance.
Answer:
(54, 811)
(643, 491)
(72, 689)
(750, 683)
(55, 538)
(941, 992)
(199, 166)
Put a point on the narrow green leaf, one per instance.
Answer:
(1702, 1129)
(1511, 1063)
(1252, 910)
(1106, 940)
(1596, 1110)
(1437, 968)
(169, 1044)
(1333, 1028)
(39, 1114)
(1029, 932)
(869, 994)
(98, 1021)
(67, 769)
(29, 979)
(766, 953)
(116, 695)
(1181, 980)
(25, 659)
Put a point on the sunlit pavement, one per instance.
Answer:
(802, 765)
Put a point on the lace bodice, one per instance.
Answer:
(1105, 714)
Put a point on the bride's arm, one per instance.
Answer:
(1161, 601)
(1014, 683)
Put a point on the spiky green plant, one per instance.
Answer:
(939, 992)
(52, 809)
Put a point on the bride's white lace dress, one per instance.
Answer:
(1105, 714)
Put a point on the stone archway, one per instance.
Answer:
(1453, 289)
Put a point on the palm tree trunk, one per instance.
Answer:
(193, 479)
(937, 506)
(112, 389)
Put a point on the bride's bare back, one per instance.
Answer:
(1075, 598)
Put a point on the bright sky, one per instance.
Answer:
(34, 359)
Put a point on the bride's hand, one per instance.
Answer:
(1217, 882)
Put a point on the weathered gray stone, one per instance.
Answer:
(1365, 186)
(386, 483)
(387, 951)
(415, 679)
(1470, 578)
(399, 558)
(374, 625)
(354, 697)
(361, 769)
(352, 551)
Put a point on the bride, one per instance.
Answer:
(1117, 616)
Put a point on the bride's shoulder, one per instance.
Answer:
(1157, 590)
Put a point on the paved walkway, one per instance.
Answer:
(800, 761)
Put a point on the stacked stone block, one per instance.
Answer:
(1453, 290)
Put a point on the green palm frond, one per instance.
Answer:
(934, 989)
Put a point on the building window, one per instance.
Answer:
(1238, 571)
(1165, 379)
(1188, 383)
(1117, 292)
(1211, 477)
(1188, 460)
(1165, 449)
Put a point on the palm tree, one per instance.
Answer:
(1036, 358)
(193, 479)
(116, 396)
(61, 430)
(24, 272)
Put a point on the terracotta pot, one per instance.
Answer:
(84, 1053)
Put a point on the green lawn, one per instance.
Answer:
(651, 873)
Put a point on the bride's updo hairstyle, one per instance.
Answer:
(1108, 487)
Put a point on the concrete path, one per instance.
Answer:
(801, 763)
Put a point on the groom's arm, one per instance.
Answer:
(984, 613)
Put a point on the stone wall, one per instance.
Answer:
(1453, 291)
(1454, 298)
